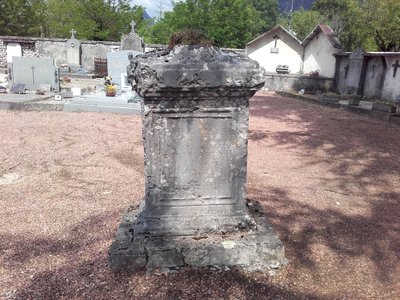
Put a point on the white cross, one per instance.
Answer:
(133, 26)
(72, 33)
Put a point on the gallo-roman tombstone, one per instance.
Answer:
(195, 113)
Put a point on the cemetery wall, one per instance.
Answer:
(3, 54)
(55, 48)
(294, 82)
(376, 75)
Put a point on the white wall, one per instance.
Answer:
(318, 55)
(13, 50)
(391, 88)
(290, 53)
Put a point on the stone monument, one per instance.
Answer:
(73, 52)
(195, 111)
(132, 41)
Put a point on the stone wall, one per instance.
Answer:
(287, 82)
(3, 54)
(372, 75)
(55, 48)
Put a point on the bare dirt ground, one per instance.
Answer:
(327, 179)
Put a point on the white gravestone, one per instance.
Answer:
(13, 50)
(73, 50)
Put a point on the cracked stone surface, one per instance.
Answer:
(195, 130)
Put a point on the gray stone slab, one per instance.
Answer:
(71, 107)
(22, 98)
(251, 250)
(34, 71)
(117, 63)
(366, 104)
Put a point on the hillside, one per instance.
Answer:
(285, 5)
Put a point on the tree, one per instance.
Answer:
(21, 17)
(92, 19)
(303, 22)
(229, 23)
(383, 19)
(268, 11)
(345, 19)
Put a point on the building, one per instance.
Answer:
(277, 47)
(373, 75)
(281, 47)
(319, 49)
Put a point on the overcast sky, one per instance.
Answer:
(153, 6)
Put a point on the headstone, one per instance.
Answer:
(35, 71)
(18, 88)
(117, 62)
(13, 49)
(354, 70)
(132, 41)
(73, 51)
(195, 112)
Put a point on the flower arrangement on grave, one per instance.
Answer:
(111, 89)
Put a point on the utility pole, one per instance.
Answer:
(290, 17)
(161, 10)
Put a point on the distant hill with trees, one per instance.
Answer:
(285, 5)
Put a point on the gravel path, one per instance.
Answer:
(327, 179)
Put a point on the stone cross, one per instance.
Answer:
(194, 212)
(33, 75)
(73, 33)
(395, 66)
(346, 71)
(276, 38)
(133, 24)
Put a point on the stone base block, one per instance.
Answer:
(250, 250)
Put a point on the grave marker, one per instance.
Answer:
(34, 71)
(195, 113)
(73, 51)
(132, 41)
(395, 66)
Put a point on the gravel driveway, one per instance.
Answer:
(328, 180)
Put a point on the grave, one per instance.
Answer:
(73, 52)
(195, 112)
(117, 62)
(132, 41)
(34, 72)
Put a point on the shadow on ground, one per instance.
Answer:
(346, 140)
(76, 262)
(84, 273)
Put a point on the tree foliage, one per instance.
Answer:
(303, 22)
(370, 24)
(383, 19)
(268, 11)
(229, 23)
(21, 17)
(92, 19)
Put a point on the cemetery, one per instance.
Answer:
(192, 171)
(326, 180)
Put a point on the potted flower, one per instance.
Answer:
(111, 90)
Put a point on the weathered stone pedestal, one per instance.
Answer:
(195, 123)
